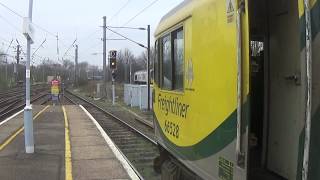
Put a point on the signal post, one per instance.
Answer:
(113, 67)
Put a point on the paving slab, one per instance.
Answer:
(48, 160)
(94, 159)
(15, 123)
(91, 156)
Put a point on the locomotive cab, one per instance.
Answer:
(234, 94)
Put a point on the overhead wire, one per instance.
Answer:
(127, 38)
(111, 19)
(119, 11)
(36, 25)
(6, 42)
(41, 45)
(93, 46)
(130, 20)
(11, 24)
(69, 48)
(11, 10)
(9, 46)
(4, 39)
(18, 14)
(140, 12)
(90, 35)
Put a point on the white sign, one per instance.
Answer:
(28, 73)
(113, 54)
(27, 29)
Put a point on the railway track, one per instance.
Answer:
(18, 90)
(134, 139)
(13, 101)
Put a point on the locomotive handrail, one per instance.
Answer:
(308, 105)
(240, 153)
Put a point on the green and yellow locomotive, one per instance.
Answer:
(237, 90)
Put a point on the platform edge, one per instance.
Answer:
(11, 117)
(132, 174)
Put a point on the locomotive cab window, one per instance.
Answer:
(172, 60)
(166, 63)
(156, 64)
(178, 59)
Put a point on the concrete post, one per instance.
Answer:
(148, 68)
(28, 121)
(76, 69)
(104, 56)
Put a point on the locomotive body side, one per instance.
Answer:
(198, 118)
(198, 123)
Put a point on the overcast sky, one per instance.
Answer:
(80, 19)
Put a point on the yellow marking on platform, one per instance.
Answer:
(68, 163)
(13, 136)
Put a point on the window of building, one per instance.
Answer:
(166, 63)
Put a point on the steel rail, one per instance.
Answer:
(135, 160)
(19, 107)
(115, 117)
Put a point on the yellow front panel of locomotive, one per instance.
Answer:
(210, 84)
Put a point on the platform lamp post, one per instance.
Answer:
(28, 123)
(141, 45)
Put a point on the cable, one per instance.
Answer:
(9, 46)
(34, 53)
(4, 39)
(140, 12)
(111, 19)
(11, 10)
(69, 48)
(93, 33)
(91, 47)
(12, 25)
(43, 29)
(124, 27)
(127, 38)
(118, 12)
(36, 25)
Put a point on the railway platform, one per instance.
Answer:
(69, 144)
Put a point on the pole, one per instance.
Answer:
(126, 71)
(28, 123)
(76, 67)
(113, 88)
(17, 64)
(130, 69)
(6, 69)
(148, 67)
(104, 56)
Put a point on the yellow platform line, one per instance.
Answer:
(14, 135)
(68, 162)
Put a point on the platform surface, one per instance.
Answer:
(91, 155)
